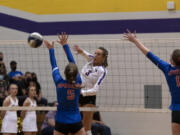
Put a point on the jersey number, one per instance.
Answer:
(87, 73)
(70, 94)
(177, 81)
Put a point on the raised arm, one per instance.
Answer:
(83, 53)
(55, 71)
(132, 38)
(93, 91)
(156, 60)
(63, 38)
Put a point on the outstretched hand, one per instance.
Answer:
(48, 44)
(130, 36)
(77, 49)
(63, 38)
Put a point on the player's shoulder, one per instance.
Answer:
(27, 102)
(7, 98)
(62, 81)
(90, 62)
(78, 78)
(88, 65)
(101, 69)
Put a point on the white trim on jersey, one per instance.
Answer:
(55, 69)
(88, 54)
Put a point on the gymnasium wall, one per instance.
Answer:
(86, 6)
(89, 17)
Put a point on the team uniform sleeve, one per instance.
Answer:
(89, 55)
(68, 53)
(158, 62)
(79, 81)
(93, 91)
(55, 70)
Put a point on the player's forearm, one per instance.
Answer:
(141, 46)
(55, 70)
(86, 55)
(23, 114)
(52, 58)
(68, 53)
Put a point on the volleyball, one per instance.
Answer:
(35, 40)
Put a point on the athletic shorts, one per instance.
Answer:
(175, 117)
(87, 100)
(68, 128)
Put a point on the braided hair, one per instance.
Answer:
(176, 57)
(105, 55)
(71, 72)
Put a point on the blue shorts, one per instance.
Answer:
(175, 117)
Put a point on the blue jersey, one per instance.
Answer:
(15, 74)
(173, 80)
(67, 94)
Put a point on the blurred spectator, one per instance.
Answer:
(9, 123)
(1, 57)
(25, 81)
(98, 126)
(49, 122)
(4, 82)
(14, 72)
(18, 81)
(30, 79)
(40, 100)
(29, 117)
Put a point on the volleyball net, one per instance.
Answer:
(132, 83)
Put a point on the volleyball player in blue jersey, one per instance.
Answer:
(172, 75)
(68, 118)
(92, 74)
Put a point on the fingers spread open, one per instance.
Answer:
(128, 31)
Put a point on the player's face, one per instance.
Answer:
(98, 57)
(32, 91)
(13, 89)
